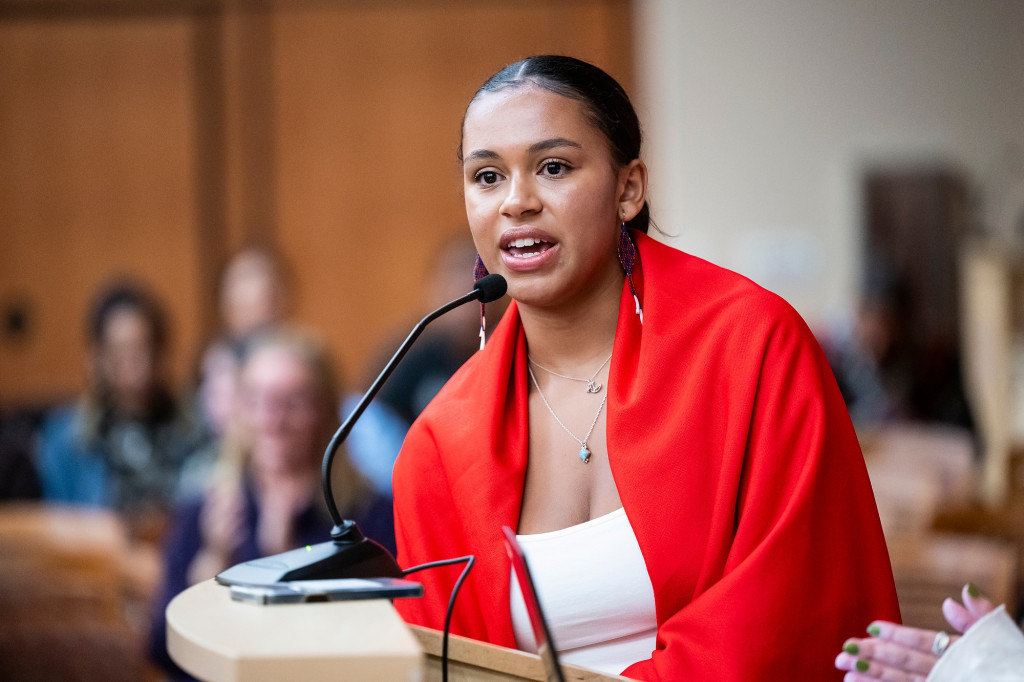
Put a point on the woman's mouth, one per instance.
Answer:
(527, 247)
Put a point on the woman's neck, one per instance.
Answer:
(571, 337)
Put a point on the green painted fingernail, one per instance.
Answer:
(874, 630)
(851, 648)
(972, 590)
(862, 666)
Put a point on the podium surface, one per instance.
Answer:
(220, 640)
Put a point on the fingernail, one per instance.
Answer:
(972, 590)
(862, 666)
(851, 648)
(874, 630)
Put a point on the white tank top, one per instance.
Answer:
(595, 592)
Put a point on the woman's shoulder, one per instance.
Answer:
(689, 286)
(456, 401)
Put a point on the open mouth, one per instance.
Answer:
(527, 247)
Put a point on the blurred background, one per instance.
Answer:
(865, 160)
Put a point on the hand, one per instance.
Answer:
(896, 653)
(974, 607)
(221, 526)
(893, 653)
(222, 520)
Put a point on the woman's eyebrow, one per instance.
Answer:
(543, 145)
(553, 143)
(478, 154)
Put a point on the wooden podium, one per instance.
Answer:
(220, 640)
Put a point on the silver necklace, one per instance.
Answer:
(592, 386)
(584, 452)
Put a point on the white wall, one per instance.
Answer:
(760, 116)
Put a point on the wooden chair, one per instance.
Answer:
(74, 596)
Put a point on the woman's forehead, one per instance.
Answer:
(525, 115)
(275, 364)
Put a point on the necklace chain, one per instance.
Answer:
(592, 386)
(584, 452)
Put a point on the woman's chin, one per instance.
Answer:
(281, 461)
(533, 292)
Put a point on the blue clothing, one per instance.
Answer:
(374, 442)
(71, 471)
(375, 517)
(101, 460)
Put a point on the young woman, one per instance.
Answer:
(665, 436)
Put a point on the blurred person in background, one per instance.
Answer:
(254, 291)
(253, 297)
(122, 446)
(266, 496)
(448, 342)
(18, 477)
(445, 345)
(885, 371)
(213, 404)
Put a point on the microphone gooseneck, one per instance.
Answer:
(487, 289)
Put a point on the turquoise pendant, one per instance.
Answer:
(584, 454)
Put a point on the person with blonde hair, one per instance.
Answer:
(265, 497)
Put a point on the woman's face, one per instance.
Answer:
(282, 409)
(126, 359)
(543, 195)
(251, 294)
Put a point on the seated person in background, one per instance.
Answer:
(267, 496)
(896, 653)
(18, 477)
(445, 345)
(253, 296)
(664, 436)
(254, 292)
(214, 403)
(123, 445)
(887, 369)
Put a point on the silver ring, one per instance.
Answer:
(940, 643)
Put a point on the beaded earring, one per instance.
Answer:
(627, 259)
(479, 271)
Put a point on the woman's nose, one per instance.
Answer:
(521, 198)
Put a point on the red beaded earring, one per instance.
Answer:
(480, 270)
(627, 259)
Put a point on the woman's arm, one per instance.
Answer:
(795, 556)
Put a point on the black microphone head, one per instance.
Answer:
(491, 287)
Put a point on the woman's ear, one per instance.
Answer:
(632, 189)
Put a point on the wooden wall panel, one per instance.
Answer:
(150, 138)
(96, 180)
(369, 102)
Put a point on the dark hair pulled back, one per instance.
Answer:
(605, 103)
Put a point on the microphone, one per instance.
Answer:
(349, 554)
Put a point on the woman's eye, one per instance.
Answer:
(487, 177)
(554, 168)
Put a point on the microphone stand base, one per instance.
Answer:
(363, 558)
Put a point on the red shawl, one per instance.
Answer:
(735, 461)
